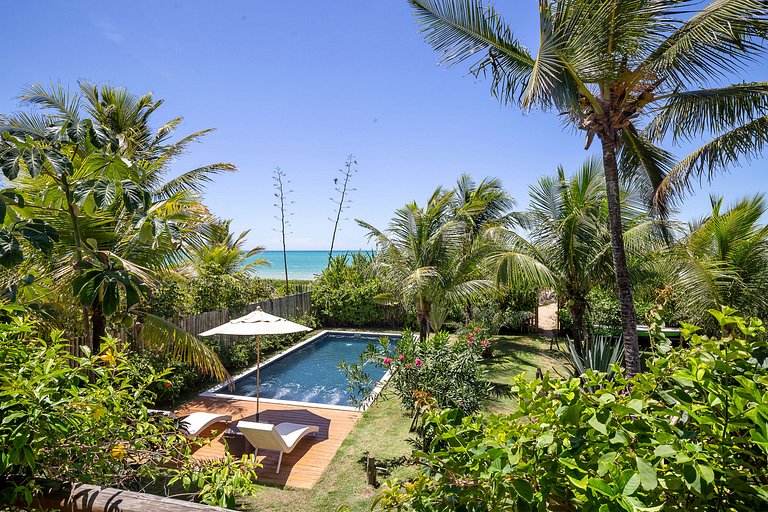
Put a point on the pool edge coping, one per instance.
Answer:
(211, 392)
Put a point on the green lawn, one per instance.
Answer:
(520, 354)
(383, 431)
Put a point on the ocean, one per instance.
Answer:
(301, 264)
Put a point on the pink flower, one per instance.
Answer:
(418, 362)
(387, 360)
(485, 343)
(477, 329)
(470, 342)
(400, 356)
(407, 365)
(471, 337)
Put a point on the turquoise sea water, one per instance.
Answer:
(301, 264)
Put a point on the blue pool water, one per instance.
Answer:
(311, 373)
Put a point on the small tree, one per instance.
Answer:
(350, 167)
(281, 193)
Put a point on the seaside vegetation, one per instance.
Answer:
(104, 243)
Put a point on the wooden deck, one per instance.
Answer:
(304, 466)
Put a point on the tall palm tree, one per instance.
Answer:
(99, 180)
(479, 207)
(417, 258)
(631, 73)
(723, 260)
(569, 242)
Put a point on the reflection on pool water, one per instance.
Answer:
(311, 373)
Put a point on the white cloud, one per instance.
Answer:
(108, 31)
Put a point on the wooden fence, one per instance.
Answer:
(288, 306)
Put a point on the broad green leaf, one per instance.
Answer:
(665, 450)
(134, 197)
(104, 193)
(10, 158)
(10, 250)
(647, 474)
(111, 299)
(77, 131)
(706, 472)
(39, 234)
(636, 404)
(82, 190)
(33, 159)
(601, 487)
(523, 489)
(60, 164)
(545, 440)
(598, 423)
(631, 486)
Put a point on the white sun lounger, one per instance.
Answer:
(282, 437)
(196, 422)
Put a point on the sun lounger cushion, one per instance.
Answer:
(196, 422)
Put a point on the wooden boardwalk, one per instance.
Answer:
(304, 466)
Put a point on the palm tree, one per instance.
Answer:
(224, 253)
(479, 207)
(119, 221)
(417, 258)
(631, 73)
(569, 240)
(723, 260)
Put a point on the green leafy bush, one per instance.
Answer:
(689, 434)
(437, 370)
(344, 295)
(504, 309)
(85, 419)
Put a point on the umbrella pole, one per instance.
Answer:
(258, 373)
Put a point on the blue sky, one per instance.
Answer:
(301, 85)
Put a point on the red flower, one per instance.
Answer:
(167, 384)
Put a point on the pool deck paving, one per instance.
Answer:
(301, 468)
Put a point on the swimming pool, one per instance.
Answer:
(308, 373)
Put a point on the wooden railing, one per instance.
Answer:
(92, 498)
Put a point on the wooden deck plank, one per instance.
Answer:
(304, 466)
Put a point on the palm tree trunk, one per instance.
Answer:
(628, 320)
(422, 315)
(99, 324)
(578, 308)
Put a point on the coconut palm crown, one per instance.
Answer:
(631, 73)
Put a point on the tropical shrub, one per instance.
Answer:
(437, 370)
(85, 419)
(504, 309)
(599, 353)
(344, 295)
(691, 433)
(603, 311)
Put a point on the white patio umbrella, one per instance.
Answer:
(257, 323)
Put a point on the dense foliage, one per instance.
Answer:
(344, 294)
(689, 434)
(439, 371)
(633, 77)
(85, 419)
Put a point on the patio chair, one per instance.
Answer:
(282, 437)
(196, 422)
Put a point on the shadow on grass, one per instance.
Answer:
(520, 353)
